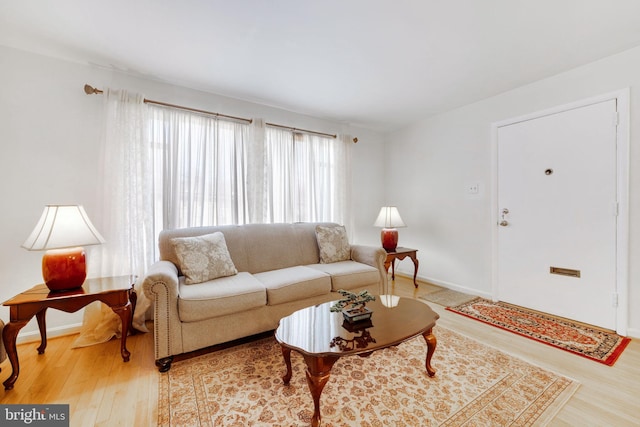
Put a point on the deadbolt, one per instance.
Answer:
(504, 222)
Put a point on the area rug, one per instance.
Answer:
(447, 297)
(587, 341)
(475, 385)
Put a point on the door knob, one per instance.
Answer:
(504, 223)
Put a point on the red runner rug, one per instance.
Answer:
(587, 341)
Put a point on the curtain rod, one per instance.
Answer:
(90, 90)
(302, 130)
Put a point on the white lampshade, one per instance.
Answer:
(62, 226)
(389, 217)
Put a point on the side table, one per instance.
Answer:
(116, 292)
(402, 253)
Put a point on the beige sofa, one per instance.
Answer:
(279, 271)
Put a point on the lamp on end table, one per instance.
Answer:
(389, 219)
(62, 231)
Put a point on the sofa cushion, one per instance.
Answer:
(333, 243)
(350, 275)
(293, 283)
(203, 258)
(220, 297)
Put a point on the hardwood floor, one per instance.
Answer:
(102, 390)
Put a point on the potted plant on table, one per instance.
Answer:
(353, 306)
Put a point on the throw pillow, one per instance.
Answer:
(203, 258)
(333, 243)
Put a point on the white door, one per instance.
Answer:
(558, 209)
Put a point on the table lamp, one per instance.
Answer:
(62, 231)
(389, 219)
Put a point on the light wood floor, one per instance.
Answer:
(104, 391)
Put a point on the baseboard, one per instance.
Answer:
(633, 333)
(59, 331)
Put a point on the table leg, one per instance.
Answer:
(415, 269)
(133, 297)
(42, 325)
(125, 316)
(286, 353)
(431, 348)
(9, 335)
(393, 269)
(318, 372)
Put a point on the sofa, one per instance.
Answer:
(218, 284)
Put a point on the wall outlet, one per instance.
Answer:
(473, 188)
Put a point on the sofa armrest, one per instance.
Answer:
(373, 256)
(161, 286)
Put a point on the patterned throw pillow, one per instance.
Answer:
(333, 244)
(203, 258)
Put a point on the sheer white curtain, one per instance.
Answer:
(127, 209)
(343, 181)
(256, 172)
(201, 168)
(307, 177)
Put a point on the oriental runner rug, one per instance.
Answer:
(474, 385)
(588, 341)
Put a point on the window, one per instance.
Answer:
(206, 172)
(199, 168)
(303, 177)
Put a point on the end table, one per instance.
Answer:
(116, 292)
(402, 253)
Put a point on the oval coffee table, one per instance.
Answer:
(322, 337)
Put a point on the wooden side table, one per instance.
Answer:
(402, 253)
(116, 292)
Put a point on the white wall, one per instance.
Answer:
(49, 139)
(436, 158)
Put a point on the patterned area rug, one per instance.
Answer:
(587, 341)
(474, 385)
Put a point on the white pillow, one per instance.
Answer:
(333, 243)
(203, 258)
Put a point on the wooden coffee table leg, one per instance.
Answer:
(318, 372)
(431, 348)
(286, 353)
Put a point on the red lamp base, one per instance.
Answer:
(64, 269)
(389, 237)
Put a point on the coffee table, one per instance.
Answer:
(322, 337)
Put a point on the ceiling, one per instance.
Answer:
(378, 64)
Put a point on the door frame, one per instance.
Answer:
(622, 183)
